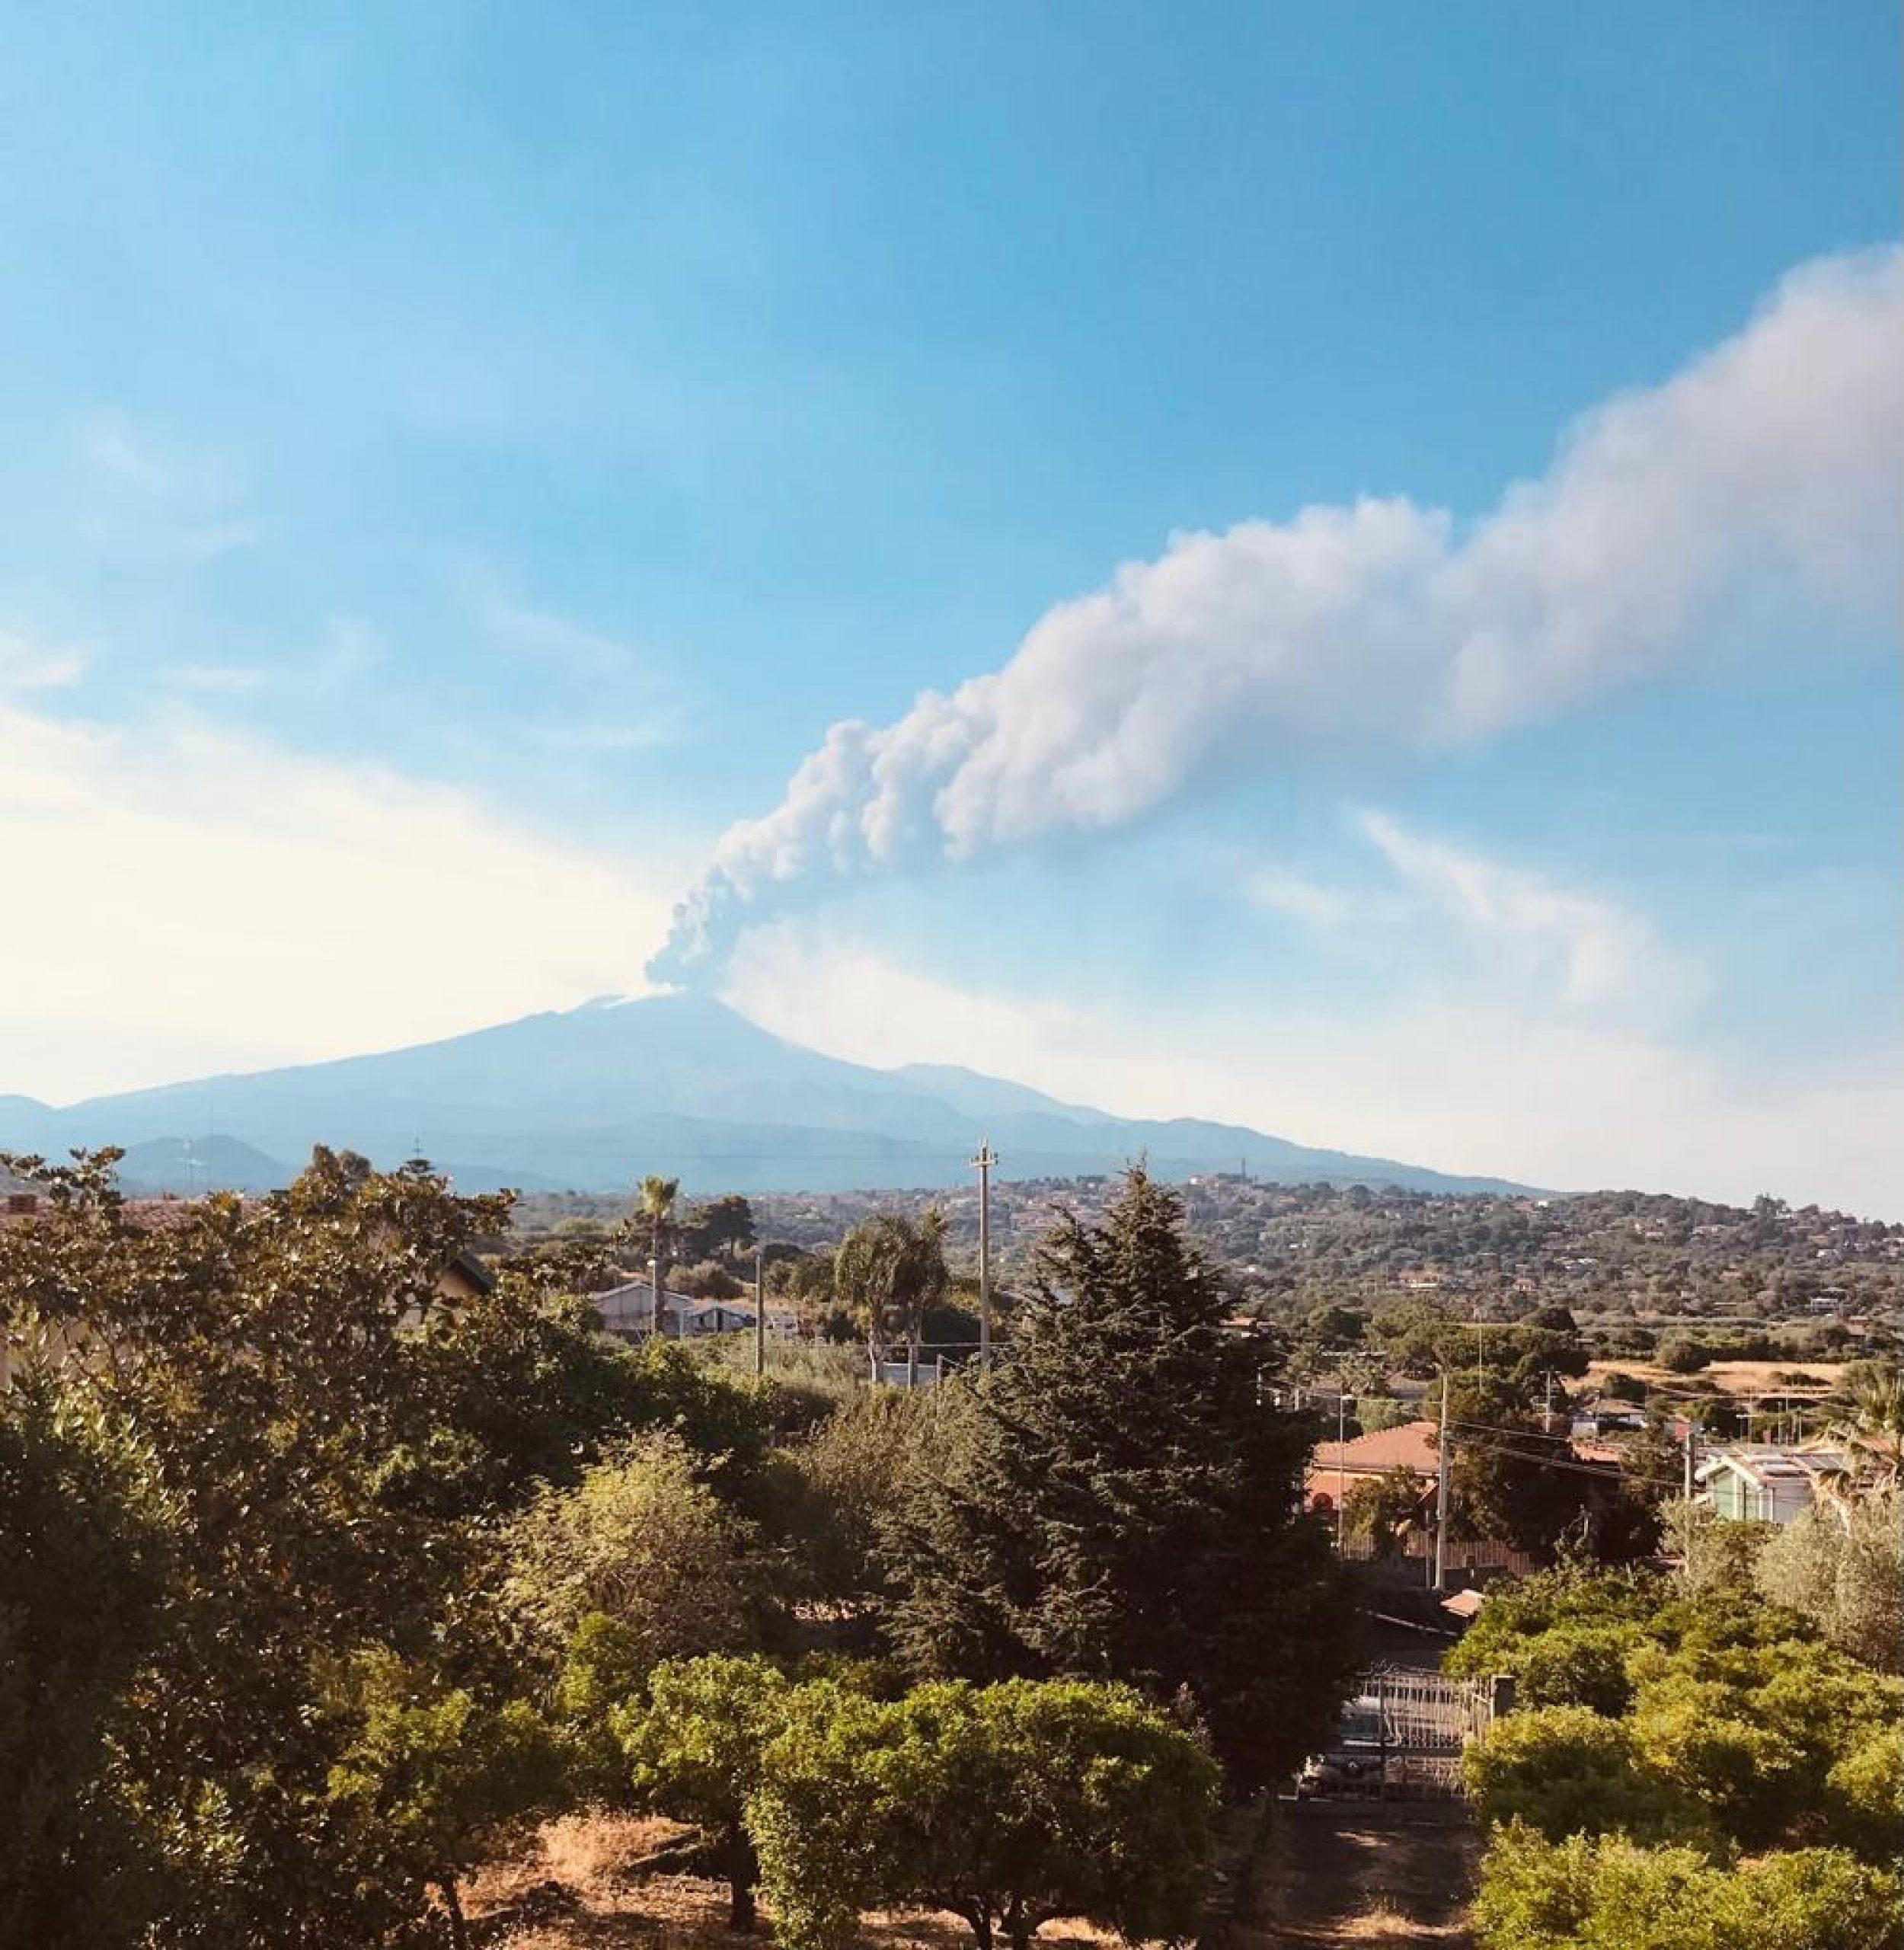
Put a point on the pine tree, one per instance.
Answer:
(1121, 1504)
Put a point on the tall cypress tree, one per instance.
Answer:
(1121, 1504)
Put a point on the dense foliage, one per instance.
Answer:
(333, 1561)
(1662, 1711)
(1007, 1804)
(1118, 1503)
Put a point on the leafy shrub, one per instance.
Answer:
(1008, 1804)
(1680, 1354)
(642, 1541)
(1867, 1787)
(1579, 1665)
(1609, 1893)
(1567, 1770)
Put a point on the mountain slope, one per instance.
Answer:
(593, 1097)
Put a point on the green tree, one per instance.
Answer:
(719, 1229)
(890, 1271)
(1569, 1596)
(1508, 1478)
(1579, 1665)
(1866, 1790)
(82, 1597)
(1842, 1567)
(695, 1752)
(1057, 1798)
(262, 1355)
(1753, 1733)
(1118, 1503)
(856, 1473)
(430, 1777)
(1009, 1805)
(1606, 1893)
(642, 1541)
(1381, 1507)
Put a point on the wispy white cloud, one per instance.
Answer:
(29, 663)
(150, 500)
(543, 636)
(245, 905)
(115, 454)
(1296, 897)
(1766, 468)
(1603, 952)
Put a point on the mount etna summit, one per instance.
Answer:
(590, 1098)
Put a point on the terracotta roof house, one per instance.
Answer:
(1336, 1467)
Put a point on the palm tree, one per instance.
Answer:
(889, 1269)
(924, 1284)
(1874, 1427)
(657, 1197)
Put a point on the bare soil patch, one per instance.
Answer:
(580, 1886)
(1365, 1875)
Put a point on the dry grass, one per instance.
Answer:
(1743, 1378)
(1345, 1876)
(580, 1886)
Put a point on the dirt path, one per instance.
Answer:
(1344, 1873)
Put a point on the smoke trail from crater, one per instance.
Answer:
(1759, 482)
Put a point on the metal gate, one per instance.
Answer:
(1404, 1734)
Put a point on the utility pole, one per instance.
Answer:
(1440, 1494)
(760, 1311)
(1690, 1435)
(1341, 1458)
(982, 1164)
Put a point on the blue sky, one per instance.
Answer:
(460, 464)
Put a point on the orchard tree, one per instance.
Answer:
(1536, 1894)
(1057, 1798)
(1566, 1770)
(1009, 1805)
(695, 1752)
(430, 1779)
(1118, 1503)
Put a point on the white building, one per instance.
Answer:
(1756, 1482)
(627, 1312)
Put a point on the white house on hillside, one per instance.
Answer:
(1757, 1482)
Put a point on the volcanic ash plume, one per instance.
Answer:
(1764, 473)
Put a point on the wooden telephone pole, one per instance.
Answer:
(983, 1165)
(1440, 1494)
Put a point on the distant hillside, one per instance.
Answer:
(186, 1165)
(592, 1098)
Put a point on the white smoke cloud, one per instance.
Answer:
(1768, 467)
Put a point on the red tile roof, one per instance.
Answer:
(1407, 1445)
